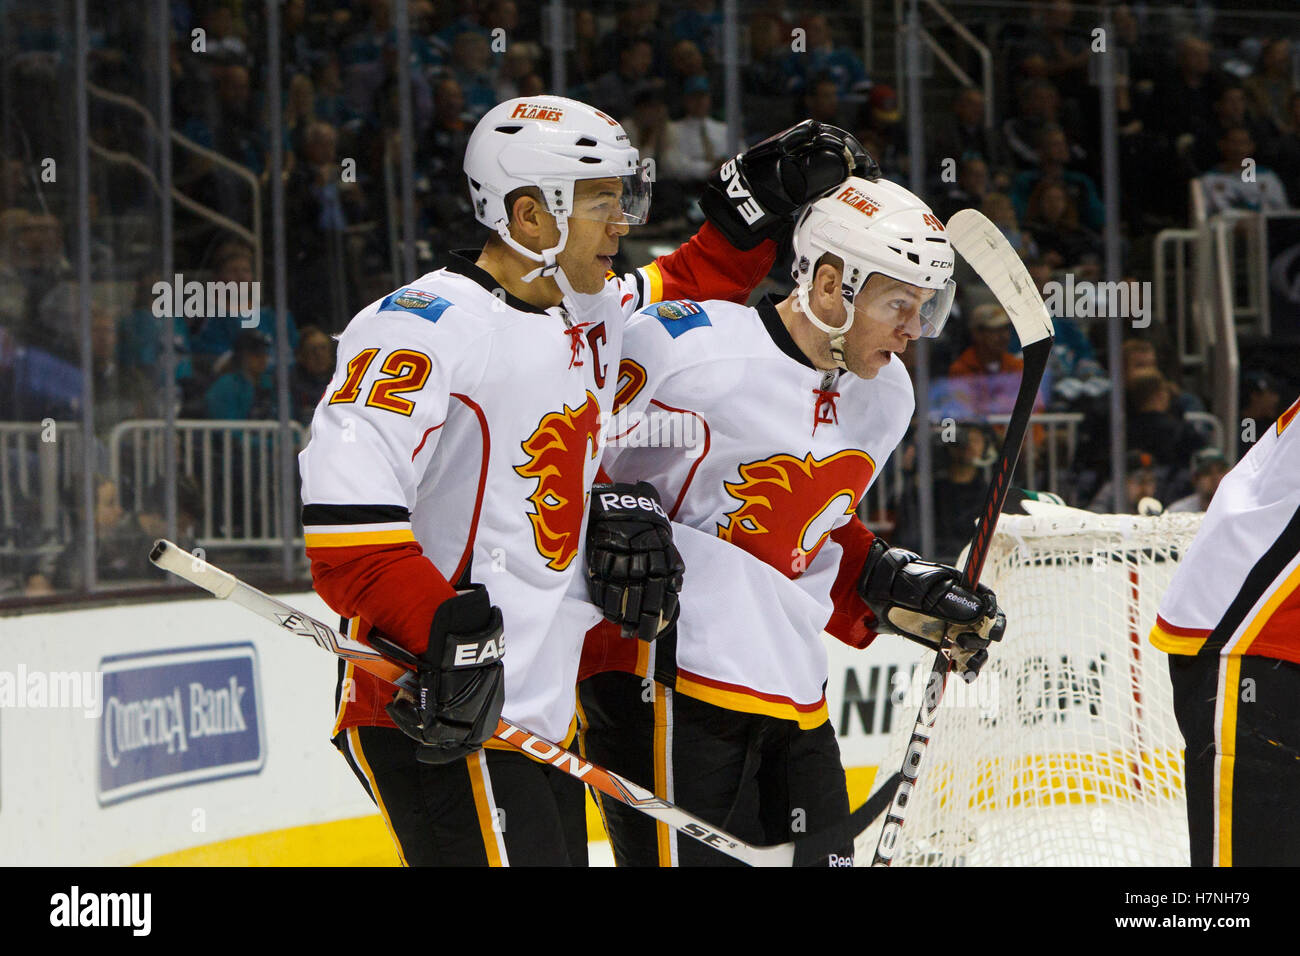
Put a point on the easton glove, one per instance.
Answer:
(926, 603)
(754, 196)
(634, 572)
(461, 686)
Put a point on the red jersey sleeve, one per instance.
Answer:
(706, 266)
(852, 621)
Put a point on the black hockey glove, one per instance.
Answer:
(461, 679)
(926, 603)
(634, 572)
(754, 196)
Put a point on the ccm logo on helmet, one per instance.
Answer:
(859, 201)
(749, 210)
(535, 112)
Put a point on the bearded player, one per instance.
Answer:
(445, 483)
(798, 403)
(1230, 623)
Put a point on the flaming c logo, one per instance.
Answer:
(558, 452)
(789, 505)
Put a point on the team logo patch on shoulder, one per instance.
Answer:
(424, 304)
(678, 315)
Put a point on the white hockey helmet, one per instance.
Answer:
(874, 227)
(551, 142)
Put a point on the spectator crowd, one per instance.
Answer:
(1199, 99)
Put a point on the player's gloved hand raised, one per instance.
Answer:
(754, 196)
(926, 603)
(634, 572)
(461, 686)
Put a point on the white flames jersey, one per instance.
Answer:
(1237, 590)
(457, 443)
(721, 412)
(479, 417)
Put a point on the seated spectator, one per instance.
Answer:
(471, 65)
(1053, 221)
(1261, 403)
(1151, 423)
(217, 333)
(299, 113)
(822, 58)
(699, 142)
(582, 63)
(882, 117)
(1140, 356)
(1229, 113)
(1182, 101)
(1053, 155)
(968, 191)
(1141, 480)
(141, 336)
(122, 546)
(1236, 184)
(246, 393)
(1075, 374)
(988, 374)
(821, 101)
(685, 66)
(700, 22)
(960, 489)
(518, 62)
(234, 128)
(764, 82)
(1057, 48)
(330, 103)
(119, 393)
(1208, 468)
(312, 371)
(1271, 86)
(612, 91)
(961, 135)
(1040, 108)
(320, 205)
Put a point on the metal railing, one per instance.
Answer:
(253, 235)
(232, 462)
(38, 461)
(985, 55)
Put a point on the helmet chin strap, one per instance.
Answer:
(836, 333)
(550, 266)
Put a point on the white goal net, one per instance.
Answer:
(1070, 756)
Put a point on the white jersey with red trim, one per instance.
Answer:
(468, 423)
(759, 457)
(1238, 586)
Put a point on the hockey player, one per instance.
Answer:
(445, 483)
(1229, 622)
(799, 401)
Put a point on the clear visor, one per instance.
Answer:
(619, 200)
(904, 304)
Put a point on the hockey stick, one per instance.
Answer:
(987, 251)
(223, 585)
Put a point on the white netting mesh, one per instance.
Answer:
(1070, 755)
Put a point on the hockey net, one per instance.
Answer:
(1065, 751)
